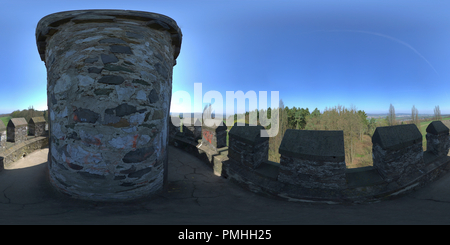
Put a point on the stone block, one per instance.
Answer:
(120, 49)
(323, 145)
(112, 80)
(246, 146)
(109, 58)
(313, 159)
(397, 151)
(438, 139)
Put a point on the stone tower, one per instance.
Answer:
(109, 85)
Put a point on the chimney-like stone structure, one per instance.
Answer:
(109, 85)
(214, 136)
(192, 128)
(17, 130)
(397, 151)
(36, 126)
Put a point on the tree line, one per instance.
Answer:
(29, 113)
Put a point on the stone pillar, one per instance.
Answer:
(246, 146)
(109, 85)
(214, 136)
(397, 151)
(438, 139)
(313, 159)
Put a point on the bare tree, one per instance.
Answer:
(340, 118)
(30, 113)
(391, 116)
(207, 111)
(437, 114)
(415, 116)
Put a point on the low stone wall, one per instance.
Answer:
(192, 128)
(189, 129)
(22, 149)
(312, 167)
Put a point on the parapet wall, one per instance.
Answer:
(312, 163)
(13, 151)
(16, 152)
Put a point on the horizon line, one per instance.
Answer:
(367, 113)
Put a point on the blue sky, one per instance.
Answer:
(368, 54)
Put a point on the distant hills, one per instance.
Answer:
(396, 114)
(369, 115)
(406, 115)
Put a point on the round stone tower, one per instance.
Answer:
(109, 85)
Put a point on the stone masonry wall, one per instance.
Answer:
(397, 151)
(2, 139)
(39, 129)
(312, 166)
(192, 128)
(438, 138)
(247, 147)
(36, 129)
(109, 89)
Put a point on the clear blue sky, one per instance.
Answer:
(315, 53)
